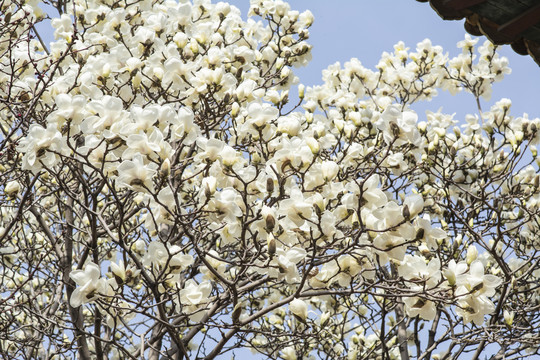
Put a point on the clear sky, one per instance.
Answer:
(344, 29)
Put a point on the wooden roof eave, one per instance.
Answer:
(520, 29)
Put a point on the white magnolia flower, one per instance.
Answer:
(414, 204)
(329, 170)
(414, 268)
(428, 234)
(261, 114)
(12, 188)
(288, 353)
(143, 144)
(480, 283)
(416, 305)
(90, 284)
(159, 255)
(289, 125)
(194, 298)
(122, 274)
(455, 272)
(296, 208)
(473, 308)
(226, 205)
(109, 114)
(195, 294)
(472, 253)
(41, 147)
(211, 148)
(372, 194)
(137, 175)
(299, 308)
(285, 264)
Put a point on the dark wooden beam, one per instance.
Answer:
(471, 25)
(446, 12)
(521, 23)
(462, 4)
(490, 30)
(520, 47)
(534, 50)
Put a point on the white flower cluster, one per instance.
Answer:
(155, 144)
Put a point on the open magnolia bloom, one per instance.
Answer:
(90, 285)
(41, 147)
(194, 298)
(170, 190)
(135, 174)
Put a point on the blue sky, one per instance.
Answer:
(344, 29)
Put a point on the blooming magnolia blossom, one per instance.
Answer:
(136, 174)
(162, 145)
(41, 147)
(90, 284)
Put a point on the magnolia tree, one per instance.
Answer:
(162, 195)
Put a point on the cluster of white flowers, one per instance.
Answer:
(157, 139)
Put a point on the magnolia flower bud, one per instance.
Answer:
(256, 158)
(329, 170)
(106, 70)
(318, 201)
(269, 218)
(194, 46)
(209, 184)
(136, 81)
(165, 169)
(235, 108)
(406, 212)
(270, 185)
(119, 272)
(472, 254)
(301, 91)
(422, 126)
(424, 250)
(271, 242)
(279, 63)
(395, 129)
(355, 117)
(339, 124)
(313, 145)
(158, 73)
(285, 72)
(508, 318)
(355, 221)
(237, 311)
(299, 309)
(325, 316)
(450, 276)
